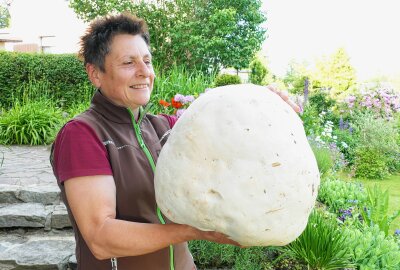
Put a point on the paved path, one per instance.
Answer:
(35, 231)
(26, 165)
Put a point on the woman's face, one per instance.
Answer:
(129, 75)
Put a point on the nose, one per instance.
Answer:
(143, 69)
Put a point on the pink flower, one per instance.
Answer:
(179, 112)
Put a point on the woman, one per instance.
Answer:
(104, 159)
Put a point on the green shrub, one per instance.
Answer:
(377, 151)
(370, 163)
(311, 121)
(347, 143)
(257, 72)
(370, 249)
(251, 258)
(209, 254)
(60, 77)
(321, 100)
(34, 123)
(75, 109)
(226, 79)
(322, 244)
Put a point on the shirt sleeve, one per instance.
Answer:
(171, 119)
(79, 152)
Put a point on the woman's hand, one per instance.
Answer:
(213, 237)
(285, 96)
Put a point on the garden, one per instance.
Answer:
(354, 134)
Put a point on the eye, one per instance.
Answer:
(148, 62)
(128, 63)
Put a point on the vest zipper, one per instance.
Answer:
(142, 144)
(114, 264)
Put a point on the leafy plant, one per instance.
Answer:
(74, 109)
(321, 100)
(377, 211)
(324, 159)
(179, 103)
(370, 248)
(339, 195)
(321, 246)
(311, 121)
(347, 141)
(212, 255)
(34, 123)
(177, 80)
(226, 79)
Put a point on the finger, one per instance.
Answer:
(294, 106)
(284, 95)
(273, 88)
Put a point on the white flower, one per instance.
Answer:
(344, 145)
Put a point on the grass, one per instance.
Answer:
(391, 183)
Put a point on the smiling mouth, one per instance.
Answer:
(139, 86)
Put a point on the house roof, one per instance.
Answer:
(10, 40)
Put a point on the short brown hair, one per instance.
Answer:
(95, 44)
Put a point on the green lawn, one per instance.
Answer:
(392, 183)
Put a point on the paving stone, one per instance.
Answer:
(44, 194)
(9, 194)
(36, 250)
(59, 218)
(23, 215)
(29, 209)
(25, 165)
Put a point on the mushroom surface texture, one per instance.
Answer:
(238, 162)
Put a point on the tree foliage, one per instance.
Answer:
(335, 73)
(199, 34)
(257, 72)
(296, 76)
(4, 17)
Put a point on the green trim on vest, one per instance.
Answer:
(142, 144)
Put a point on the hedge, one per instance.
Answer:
(62, 76)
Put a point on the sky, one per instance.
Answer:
(369, 30)
(299, 30)
(33, 18)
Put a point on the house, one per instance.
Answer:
(6, 38)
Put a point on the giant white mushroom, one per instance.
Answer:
(238, 162)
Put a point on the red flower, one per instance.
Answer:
(164, 103)
(176, 104)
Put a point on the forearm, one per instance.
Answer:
(119, 238)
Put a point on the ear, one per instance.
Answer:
(94, 75)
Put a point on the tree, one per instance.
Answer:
(200, 34)
(257, 72)
(336, 74)
(4, 17)
(296, 77)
